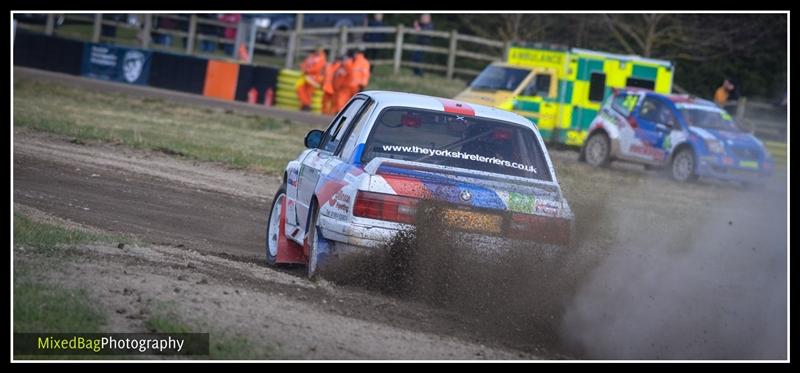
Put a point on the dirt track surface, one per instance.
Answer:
(184, 211)
(662, 270)
(709, 259)
(162, 199)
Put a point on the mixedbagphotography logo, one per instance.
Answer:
(111, 344)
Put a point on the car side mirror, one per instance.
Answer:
(313, 139)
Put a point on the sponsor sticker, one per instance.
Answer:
(749, 164)
(520, 202)
(457, 154)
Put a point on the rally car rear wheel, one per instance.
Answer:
(274, 235)
(597, 150)
(683, 165)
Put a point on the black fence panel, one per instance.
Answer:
(178, 73)
(47, 52)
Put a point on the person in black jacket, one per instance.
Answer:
(374, 37)
(207, 46)
(423, 24)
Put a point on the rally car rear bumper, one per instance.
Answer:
(369, 235)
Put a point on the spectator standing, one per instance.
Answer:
(229, 33)
(423, 24)
(165, 24)
(374, 37)
(206, 46)
(723, 92)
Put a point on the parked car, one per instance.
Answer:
(38, 18)
(268, 23)
(360, 182)
(693, 137)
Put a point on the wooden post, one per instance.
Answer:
(192, 30)
(290, 50)
(50, 25)
(238, 40)
(298, 37)
(98, 25)
(451, 55)
(398, 49)
(148, 26)
(740, 110)
(342, 40)
(251, 48)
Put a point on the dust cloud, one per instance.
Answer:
(639, 283)
(711, 287)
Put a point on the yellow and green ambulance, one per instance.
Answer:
(561, 89)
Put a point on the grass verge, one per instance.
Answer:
(236, 139)
(223, 345)
(46, 237)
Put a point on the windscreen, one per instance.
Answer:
(499, 78)
(708, 117)
(457, 141)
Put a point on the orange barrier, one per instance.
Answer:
(221, 79)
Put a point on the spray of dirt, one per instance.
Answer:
(638, 284)
(514, 292)
(688, 287)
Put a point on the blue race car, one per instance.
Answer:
(693, 137)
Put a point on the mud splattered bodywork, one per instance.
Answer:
(653, 129)
(366, 177)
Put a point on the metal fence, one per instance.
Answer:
(445, 52)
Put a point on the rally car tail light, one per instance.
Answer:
(541, 228)
(387, 207)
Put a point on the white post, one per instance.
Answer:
(398, 49)
(98, 25)
(192, 31)
(451, 56)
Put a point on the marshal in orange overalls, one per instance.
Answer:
(341, 83)
(312, 73)
(328, 93)
(360, 78)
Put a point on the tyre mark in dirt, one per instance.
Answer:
(150, 207)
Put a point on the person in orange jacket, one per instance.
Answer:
(312, 69)
(360, 77)
(328, 93)
(341, 82)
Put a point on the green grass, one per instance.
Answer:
(40, 307)
(222, 345)
(47, 237)
(237, 139)
(432, 84)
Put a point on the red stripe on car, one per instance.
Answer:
(455, 107)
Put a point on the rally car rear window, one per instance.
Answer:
(457, 141)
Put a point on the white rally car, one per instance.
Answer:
(359, 183)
